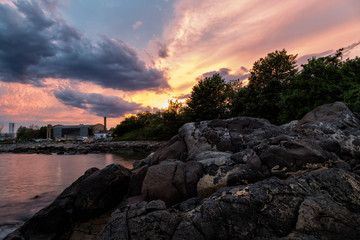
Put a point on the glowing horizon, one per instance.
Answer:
(72, 67)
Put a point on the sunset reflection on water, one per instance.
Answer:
(29, 182)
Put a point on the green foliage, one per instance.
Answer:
(269, 77)
(352, 97)
(32, 132)
(152, 126)
(275, 67)
(277, 91)
(293, 94)
(210, 99)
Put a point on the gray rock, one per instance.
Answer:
(324, 203)
(172, 182)
(133, 222)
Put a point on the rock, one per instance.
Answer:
(208, 158)
(335, 113)
(137, 178)
(247, 156)
(133, 222)
(172, 182)
(80, 148)
(322, 203)
(93, 194)
(174, 149)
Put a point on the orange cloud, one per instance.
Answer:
(210, 35)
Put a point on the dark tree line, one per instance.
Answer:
(277, 91)
(32, 132)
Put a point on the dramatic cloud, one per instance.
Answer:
(241, 74)
(97, 104)
(35, 44)
(208, 34)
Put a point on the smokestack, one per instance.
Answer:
(105, 124)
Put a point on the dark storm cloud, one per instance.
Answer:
(97, 104)
(162, 50)
(242, 74)
(35, 44)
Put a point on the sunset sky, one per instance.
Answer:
(76, 61)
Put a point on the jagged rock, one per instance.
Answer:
(93, 194)
(324, 204)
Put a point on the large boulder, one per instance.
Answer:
(93, 194)
(172, 182)
(335, 113)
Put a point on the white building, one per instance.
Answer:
(12, 129)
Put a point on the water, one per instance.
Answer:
(29, 182)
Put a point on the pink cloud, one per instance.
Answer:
(208, 35)
(137, 24)
(26, 105)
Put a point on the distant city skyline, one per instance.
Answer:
(76, 61)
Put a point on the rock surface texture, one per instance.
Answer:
(240, 178)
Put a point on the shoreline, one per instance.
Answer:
(80, 147)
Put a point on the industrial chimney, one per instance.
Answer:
(104, 124)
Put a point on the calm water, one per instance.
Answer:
(29, 182)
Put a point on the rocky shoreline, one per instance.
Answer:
(239, 178)
(80, 147)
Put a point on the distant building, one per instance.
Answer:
(74, 131)
(12, 129)
(49, 131)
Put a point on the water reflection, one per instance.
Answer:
(28, 182)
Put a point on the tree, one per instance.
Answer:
(209, 99)
(276, 66)
(321, 81)
(43, 132)
(269, 77)
(32, 132)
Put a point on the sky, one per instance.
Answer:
(76, 61)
